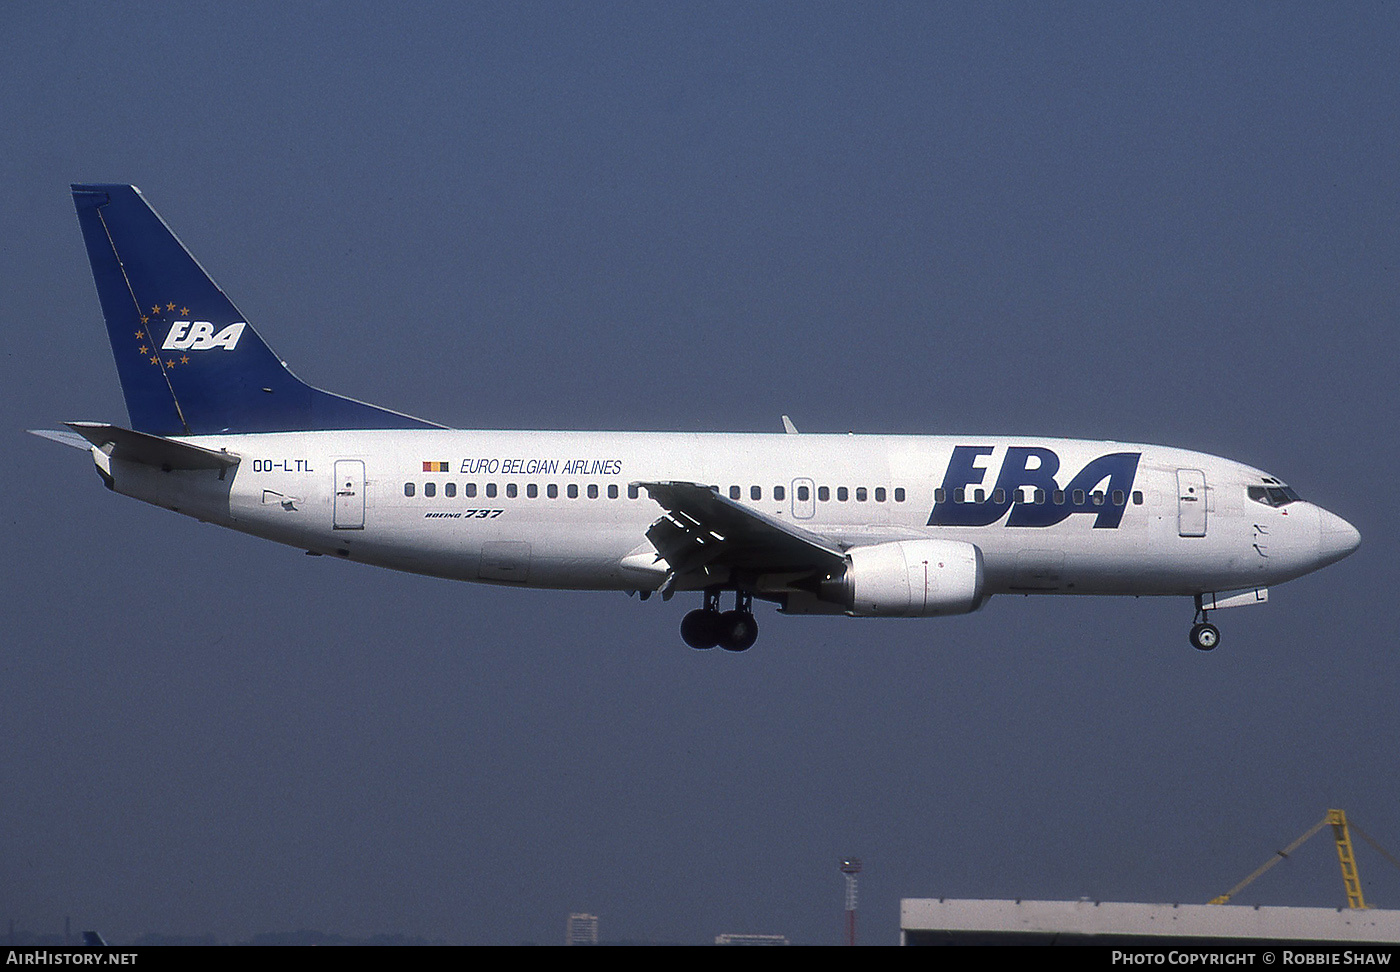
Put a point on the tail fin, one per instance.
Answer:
(188, 361)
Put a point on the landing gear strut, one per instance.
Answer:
(734, 630)
(1204, 635)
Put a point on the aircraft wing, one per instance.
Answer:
(703, 528)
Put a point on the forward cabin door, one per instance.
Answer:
(349, 494)
(1191, 502)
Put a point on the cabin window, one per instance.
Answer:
(573, 491)
(779, 493)
(940, 495)
(430, 489)
(879, 494)
(959, 495)
(979, 495)
(803, 493)
(1097, 497)
(998, 496)
(1137, 497)
(842, 493)
(899, 494)
(1038, 497)
(734, 492)
(823, 493)
(408, 489)
(592, 490)
(552, 491)
(861, 494)
(1059, 497)
(1079, 497)
(1118, 498)
(632, 492)
(471, 489)
(612, 491)
(531, 490)
(491, 490)
(755, 492)
(511, 490)
(449, 490)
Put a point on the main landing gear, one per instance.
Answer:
(734, 630)
(1204, 635)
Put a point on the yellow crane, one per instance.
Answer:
(1340, 834)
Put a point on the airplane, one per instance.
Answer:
(861, 525)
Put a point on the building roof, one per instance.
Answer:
(934, 920)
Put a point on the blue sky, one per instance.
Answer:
(1167, 224)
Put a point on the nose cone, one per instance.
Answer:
(1336, 538)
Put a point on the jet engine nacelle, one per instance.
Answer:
(909, 579)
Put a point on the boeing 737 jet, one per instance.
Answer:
(860, 525)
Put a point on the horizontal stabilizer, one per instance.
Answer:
(151, 450)
(70, 439)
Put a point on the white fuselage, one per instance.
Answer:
(555, 509)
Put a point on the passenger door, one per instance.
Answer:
(1191, 502)
(349, 503)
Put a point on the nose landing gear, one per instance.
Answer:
(734, 630)
(1204, 635)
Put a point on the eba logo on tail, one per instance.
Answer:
(200, 336)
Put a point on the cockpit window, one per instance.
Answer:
(1279, 495)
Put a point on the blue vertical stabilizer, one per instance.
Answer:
(188, 361)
